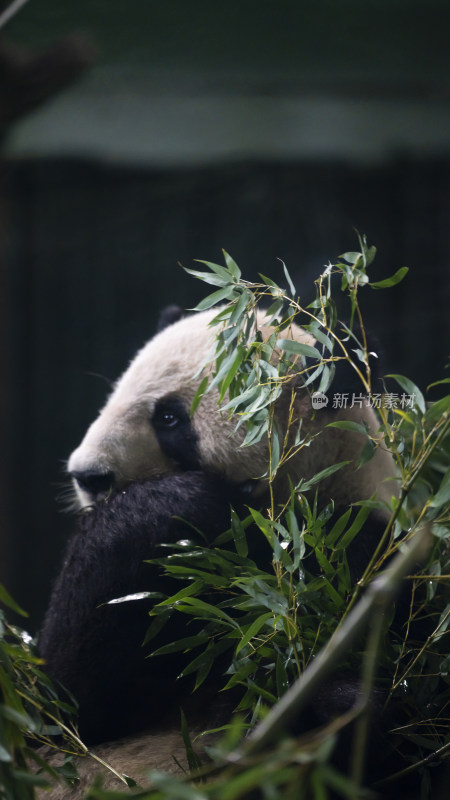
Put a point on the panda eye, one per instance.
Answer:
(172, 427)
(166, 416)
(168, 419)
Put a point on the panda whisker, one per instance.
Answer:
(66, 498)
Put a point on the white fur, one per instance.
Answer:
(134, 756)
(121, 439)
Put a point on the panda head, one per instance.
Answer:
(146, 431)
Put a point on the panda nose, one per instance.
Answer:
(94, 482)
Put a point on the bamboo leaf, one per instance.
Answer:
(218, 269)
(8, 601)
(411, 389)
(338, 527)
(347, 425)
(253, 629)
(211, 278)
(291, 346)
(232, 266)
(227, 293)
(392, 281)
(199, 394)
(303, 486)
(442, 496)
(239, 357)
(289, 280)
(238, 531)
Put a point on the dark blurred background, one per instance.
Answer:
(167, 130)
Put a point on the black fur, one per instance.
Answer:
(168, 316)
(172, 424)
(95, 649)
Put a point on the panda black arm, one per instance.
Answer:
(94, 649)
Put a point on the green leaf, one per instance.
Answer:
(303, 486)
(204, 661)
(275, 450)
(440, 531)
(238, 531)
(318, 334)
(323, 562)
(288, 278)
(208, 277)
(5, 755)
(335, 597)
(8, 601)
(239, 307)
(396, 278)
(192, 757)
(170, 786)
(410, 388)
(437, 410)
(198, 395)
(263, 524)
(438, 383)
(270, 282)
(253, 629)
(298, 545)
(347, 425)
(248, 396)
(209, 578)
(281, 677)
(444, 623)
(352, 257)
(367, 453)
(194, 587)
(232, 266)
(217, 268)
(263, 595)
(187, 643)
(338, 527)
(19, 718)
(157, 625)
(216, 297)
(291, 346)
(238, 359)
(197, 607)
(442, 496)
(327, 377)
(355, 527)
(274, 310)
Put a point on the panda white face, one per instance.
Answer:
(145, 429)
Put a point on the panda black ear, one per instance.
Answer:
(168, 316)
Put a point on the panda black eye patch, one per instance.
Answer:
(172, 425)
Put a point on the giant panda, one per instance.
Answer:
(148, 473)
